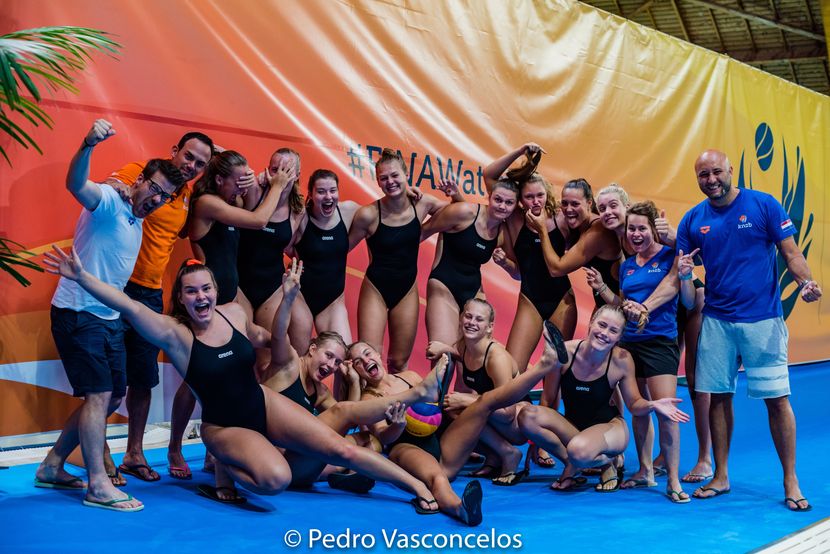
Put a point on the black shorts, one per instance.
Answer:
(657, 356)
(92, 351)
(142, 357)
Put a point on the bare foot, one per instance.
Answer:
(58, 475)
(136, 463)
(795, 500)
(107, 493)
(177, 466)
(701, 472)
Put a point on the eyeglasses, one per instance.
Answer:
(156, 190)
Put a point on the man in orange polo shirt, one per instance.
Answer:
(159, 234)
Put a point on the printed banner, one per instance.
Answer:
(451, 84)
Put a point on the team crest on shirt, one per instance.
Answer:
(629, 272)
(786, 224)
(655, 268)
(704, 229)
(743, 223)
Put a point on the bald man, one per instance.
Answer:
(738, 231)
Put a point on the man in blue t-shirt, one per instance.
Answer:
(737, 231)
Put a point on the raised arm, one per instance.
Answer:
(665, 231)
(684, 266)
(600, 288)
(496, 169)
(282, 353)
(797, 266)
(161, 330)
(452, 217)
(213, 208)
(87, 193)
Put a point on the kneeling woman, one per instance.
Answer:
(242, 421)
(592, 432)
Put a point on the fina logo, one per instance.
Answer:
(743, 224)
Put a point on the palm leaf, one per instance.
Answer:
(32, 59)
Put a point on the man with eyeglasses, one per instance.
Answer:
(159, 235)
(88, 335)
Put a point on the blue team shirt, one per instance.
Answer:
(737, 244)
(637, 283)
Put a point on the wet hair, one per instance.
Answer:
(526, 170)
(508, 185)
(649, 211)
(330, 336)
(583, 185)
(166, 167)
(188, 267)
(608, 308)
(614, 188)
(550, 198)
(295, 197)
(201, 137)
(221, 165)
(316, 176)
(388, 155)
(482, 302)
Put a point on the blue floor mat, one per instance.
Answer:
(527, 517)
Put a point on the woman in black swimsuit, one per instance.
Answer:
(485, 365)
(243, 422)
(592, 432)
(590, 243)
(469, 234)
(436, 460)
(260, 258)
(322, 243)
(392, 229)
(542, 297)
(213, 227)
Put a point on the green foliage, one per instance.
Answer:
(50, 57)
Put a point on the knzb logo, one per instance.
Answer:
(742, 224)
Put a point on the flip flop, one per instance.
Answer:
(65, 485)
(696, 477)
(797, 508)
(615, 488)
(416, 503)
(471, 503)
(545, 462)
(718, 492)
(638, 484)
(577, 480)
(133, 469)
(660, 471)
(351, 482)
(117, 475)
(554, 339)
(213, 493)
(510, 479)
(111, 504)
(675, 496)
(184, 469)
(484, 474)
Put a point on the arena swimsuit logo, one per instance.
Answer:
(793, 192)
(421, 169)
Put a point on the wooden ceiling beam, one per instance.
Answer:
(758, 19)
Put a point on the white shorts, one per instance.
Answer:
(760, 346)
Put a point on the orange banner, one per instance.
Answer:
(452, 85)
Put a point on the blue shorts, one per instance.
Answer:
(760, 346)
(92, 351)
(142, 357)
